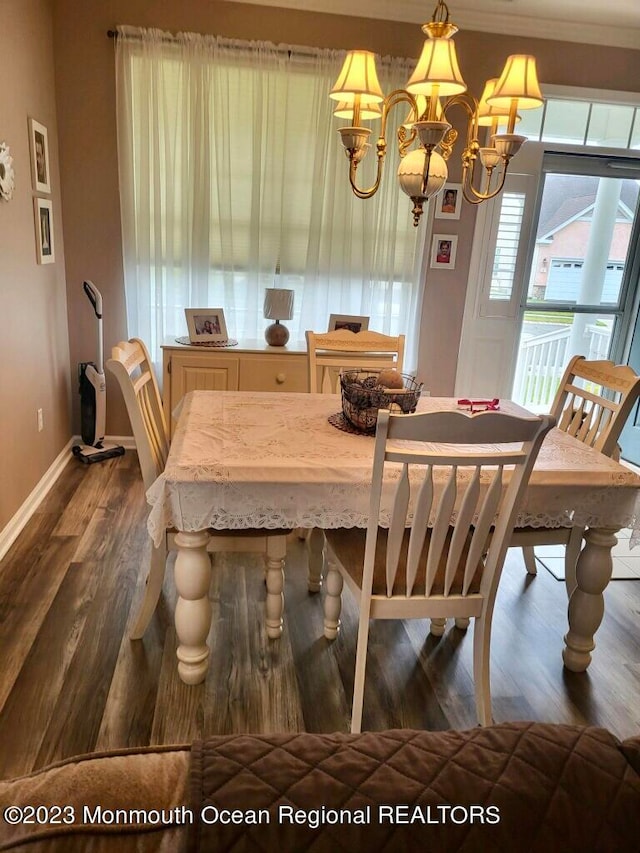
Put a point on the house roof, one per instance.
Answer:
(568, 196)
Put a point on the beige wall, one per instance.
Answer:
(34, 345)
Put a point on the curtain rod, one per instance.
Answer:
(171, 38)
(168, 37)
(301, 51)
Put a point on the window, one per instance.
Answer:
(605, 123)
(576, 298)
(231, 165)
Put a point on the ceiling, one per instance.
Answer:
(607, 22)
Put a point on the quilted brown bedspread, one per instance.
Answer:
(509, 787)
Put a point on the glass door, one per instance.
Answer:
(580, 294)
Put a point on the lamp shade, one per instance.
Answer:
(518, 82)
(278, 303)
(368, 111)
(438, 64)
(487, 113)
(358, 77)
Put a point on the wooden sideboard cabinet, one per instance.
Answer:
(249, 366)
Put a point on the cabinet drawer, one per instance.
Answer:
(274, 374)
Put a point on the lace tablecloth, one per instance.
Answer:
(272, 460)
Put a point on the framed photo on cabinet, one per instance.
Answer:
(206, 324)
(348, 321)
(39, 147)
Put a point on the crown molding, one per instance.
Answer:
(418, 12)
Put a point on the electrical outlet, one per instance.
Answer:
(40, 420)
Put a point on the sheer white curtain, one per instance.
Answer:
(229, 161)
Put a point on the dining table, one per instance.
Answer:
(243, 460)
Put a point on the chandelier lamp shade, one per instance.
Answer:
(426, 138)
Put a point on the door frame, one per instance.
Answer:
(484, 251)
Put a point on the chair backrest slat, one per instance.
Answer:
(594, 400)
(594, 424)
(461, 527)
(444, 508)
(421, 515)
(132, 366)
(157, 439)
(331, 352)
(397, 526)
(483, 527)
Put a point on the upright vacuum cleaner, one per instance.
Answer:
(93, 397)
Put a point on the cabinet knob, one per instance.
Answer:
(281, 378)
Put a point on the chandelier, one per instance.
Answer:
(435, 87)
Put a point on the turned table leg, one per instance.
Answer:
(332, 602)
(193, 608)
(276, 552)
(586, 605)
(315, 548)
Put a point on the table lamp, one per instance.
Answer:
(278, 305)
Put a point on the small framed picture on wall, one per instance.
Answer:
(43, 209)
(449, 202)
(39, 147)
(443, 251)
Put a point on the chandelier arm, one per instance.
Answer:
(470, 106)
(471, 194)
(470, 153)
(381, 147)
(393, 98)
(397, 97)
(405, 140)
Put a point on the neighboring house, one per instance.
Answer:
(563, 233)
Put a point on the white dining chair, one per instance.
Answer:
(330, 352)
(593, 401)
(327, 354)
(449, 523)
(131, 365)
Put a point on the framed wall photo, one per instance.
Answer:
(449, 202)
(206, 324)
(443, 251)
(39, 147)
(43, 210)
(348, 321)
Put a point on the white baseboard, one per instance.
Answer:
(12, 530)
(126, 441)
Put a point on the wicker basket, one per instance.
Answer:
(363, 397)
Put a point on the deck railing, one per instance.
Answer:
(542, 361)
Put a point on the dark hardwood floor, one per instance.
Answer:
(72, 682)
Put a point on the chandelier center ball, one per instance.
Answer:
(411, 174)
